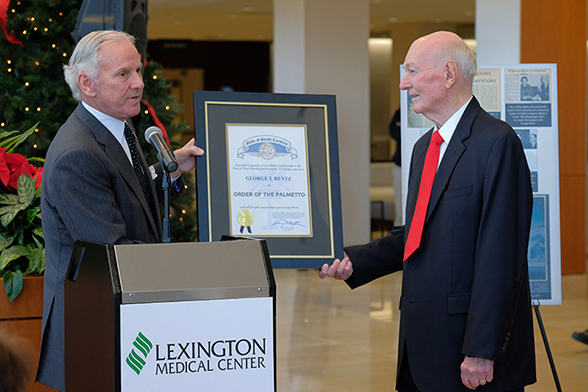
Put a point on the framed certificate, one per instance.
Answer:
(270, 171)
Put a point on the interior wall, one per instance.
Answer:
(498, 30)
(380, 51)
(566, 47)
(337, 62)
(289, 49)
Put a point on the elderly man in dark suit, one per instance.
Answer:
(466, 319)
(96, 186)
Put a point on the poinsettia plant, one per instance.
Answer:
(22, 249)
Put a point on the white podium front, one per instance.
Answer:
(171, 317)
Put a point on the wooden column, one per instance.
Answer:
(555, 32)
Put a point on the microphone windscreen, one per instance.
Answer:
(151, 131)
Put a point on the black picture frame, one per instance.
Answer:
(213, 110)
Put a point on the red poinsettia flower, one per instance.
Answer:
(38, 177)
(4, 170)
(13, 165)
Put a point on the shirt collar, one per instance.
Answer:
(115, 126)
(448, 129)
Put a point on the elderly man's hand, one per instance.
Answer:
(476, 372)
(340, 270)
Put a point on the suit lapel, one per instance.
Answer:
(414, 178)
(454, 151)
(117, 155)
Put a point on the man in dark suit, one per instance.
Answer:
(466, 319)
(96, 186)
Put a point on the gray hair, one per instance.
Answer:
(86, 58)
(463, 58)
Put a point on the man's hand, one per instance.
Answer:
(340, 270)
(476, 372)
(185, 158)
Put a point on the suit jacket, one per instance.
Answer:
(465, 290)
(91, 193)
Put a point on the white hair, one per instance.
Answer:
(463, 57)
(86, 58)
(466, 61)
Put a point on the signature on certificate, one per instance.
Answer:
(282, 222)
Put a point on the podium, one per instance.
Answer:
(170, 317)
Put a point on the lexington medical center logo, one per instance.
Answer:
(246, 354)
(143, 346)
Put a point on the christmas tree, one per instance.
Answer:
(32, 89)
(35, 45)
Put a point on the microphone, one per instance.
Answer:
(154, 136)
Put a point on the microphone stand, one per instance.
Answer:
(166, 185)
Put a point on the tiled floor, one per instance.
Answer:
(333, 339)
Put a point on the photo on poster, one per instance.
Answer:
(529, 141)
(538, 253)
(528, 85)
(528, 138)
(527, 94)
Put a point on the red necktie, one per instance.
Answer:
(420, 212)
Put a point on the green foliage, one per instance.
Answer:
(9, 140)
(22, 250)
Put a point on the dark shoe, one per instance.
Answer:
(581, 336)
